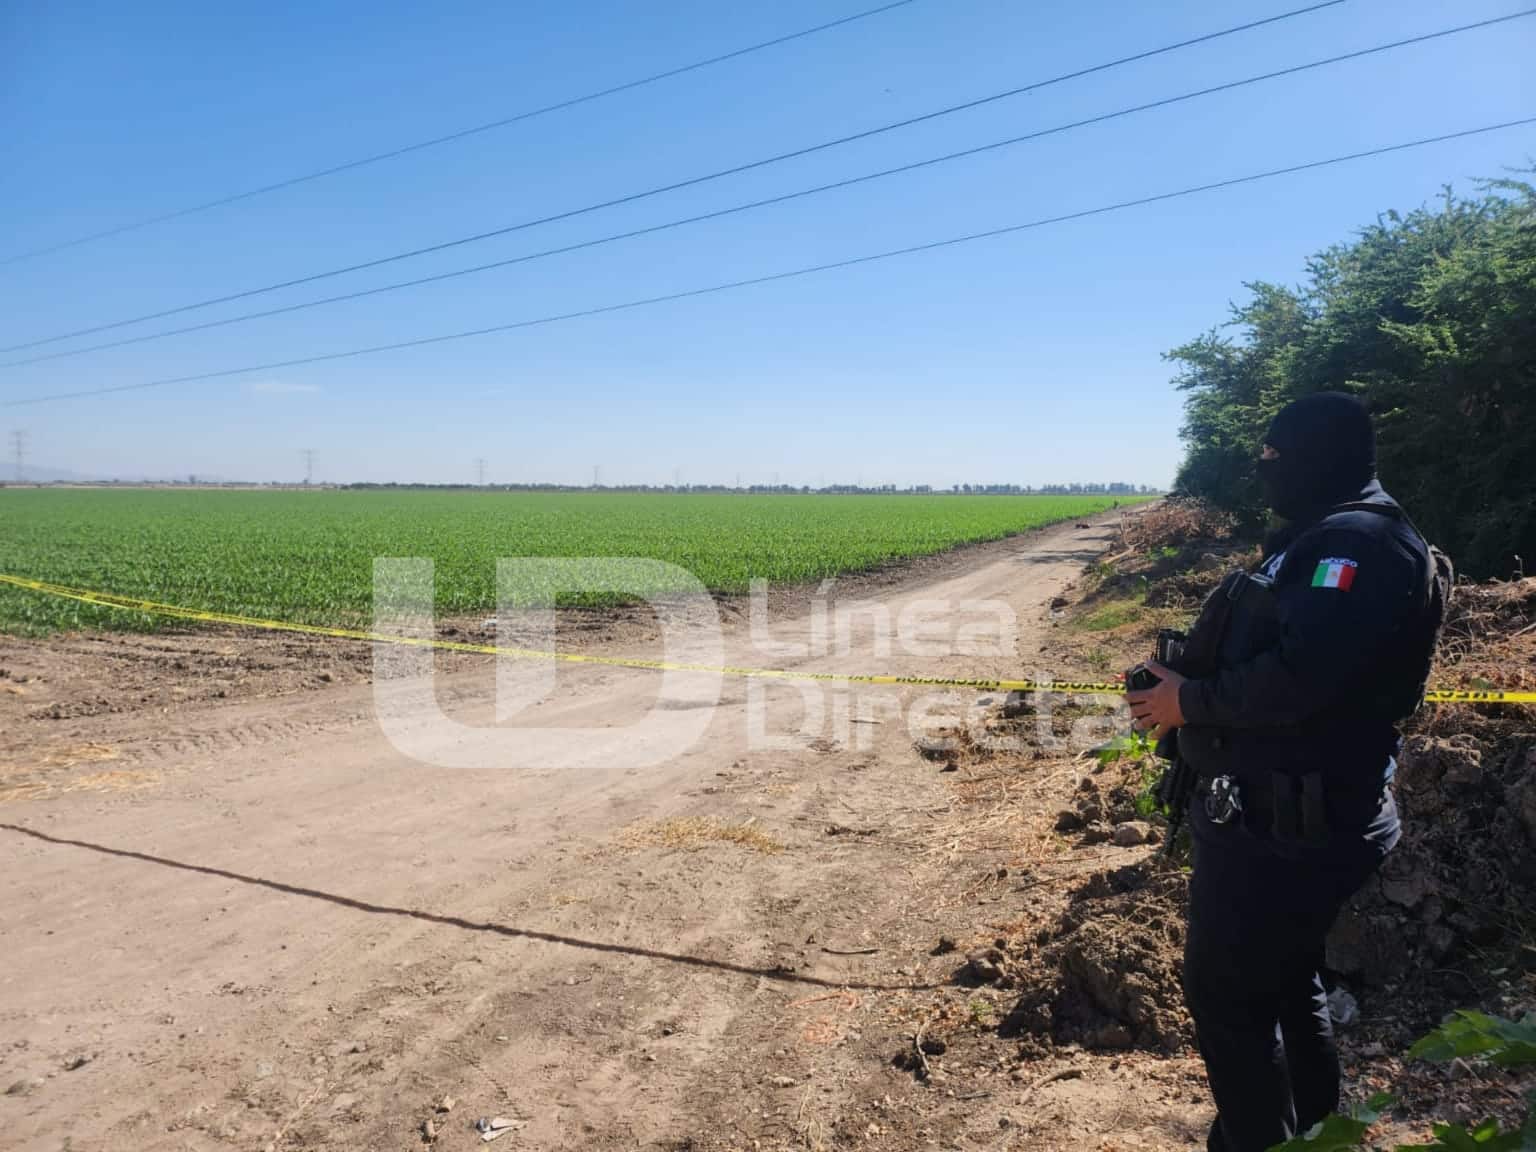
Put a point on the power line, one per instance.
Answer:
(461, 134)
(690, 182)
(771, 277)
(19, 445)
(746, 207)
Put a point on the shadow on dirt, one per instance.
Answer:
(771, 973)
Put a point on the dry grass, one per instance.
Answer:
(116, 780)
(1489, 642)
(1175, 522)
(44, 776)
(69, 756)
(1490, 634)
(691, 833)
(809, 1128)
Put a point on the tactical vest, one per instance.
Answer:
(1303, 782)
(1239, 620)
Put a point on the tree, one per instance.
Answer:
(1431, 319)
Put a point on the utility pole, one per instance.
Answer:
(309, 466)
(19, 443)
(480, 471)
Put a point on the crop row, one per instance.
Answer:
(308, 556)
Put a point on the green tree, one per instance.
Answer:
(1430, 317)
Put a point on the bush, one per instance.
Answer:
(1431, 319)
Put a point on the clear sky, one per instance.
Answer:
(1032, 358)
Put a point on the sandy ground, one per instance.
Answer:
(234, 915)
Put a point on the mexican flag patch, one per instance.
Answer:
(1334, 572)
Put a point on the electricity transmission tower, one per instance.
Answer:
(480, 471)
(19, 443)
(309, 466)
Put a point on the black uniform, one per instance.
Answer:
(1321, 655)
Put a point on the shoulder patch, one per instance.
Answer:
(1334, 572)
(1270, 569)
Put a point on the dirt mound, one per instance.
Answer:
(1183, 589)
(1105, 807)
(1106, 973)
(1485, 615)
(1464, 876)
(1489, 642)
(1169, 557)
(1465, 871)
(1176, 522)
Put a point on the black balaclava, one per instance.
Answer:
(1327, 454)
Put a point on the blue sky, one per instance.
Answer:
(1033, 358)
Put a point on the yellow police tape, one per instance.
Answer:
(1086, 687)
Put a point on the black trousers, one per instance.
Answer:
(1257, 923)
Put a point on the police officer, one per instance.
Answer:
(1292, 733)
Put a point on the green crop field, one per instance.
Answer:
(308, 556)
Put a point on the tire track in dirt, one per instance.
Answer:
(330, 1012)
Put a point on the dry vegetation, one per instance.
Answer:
(689, 834)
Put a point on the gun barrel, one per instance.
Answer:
(1179, 779)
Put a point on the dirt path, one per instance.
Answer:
(262, 927)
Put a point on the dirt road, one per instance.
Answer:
(261, 926)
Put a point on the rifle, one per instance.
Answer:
(1175, 788)
(1194, 654)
